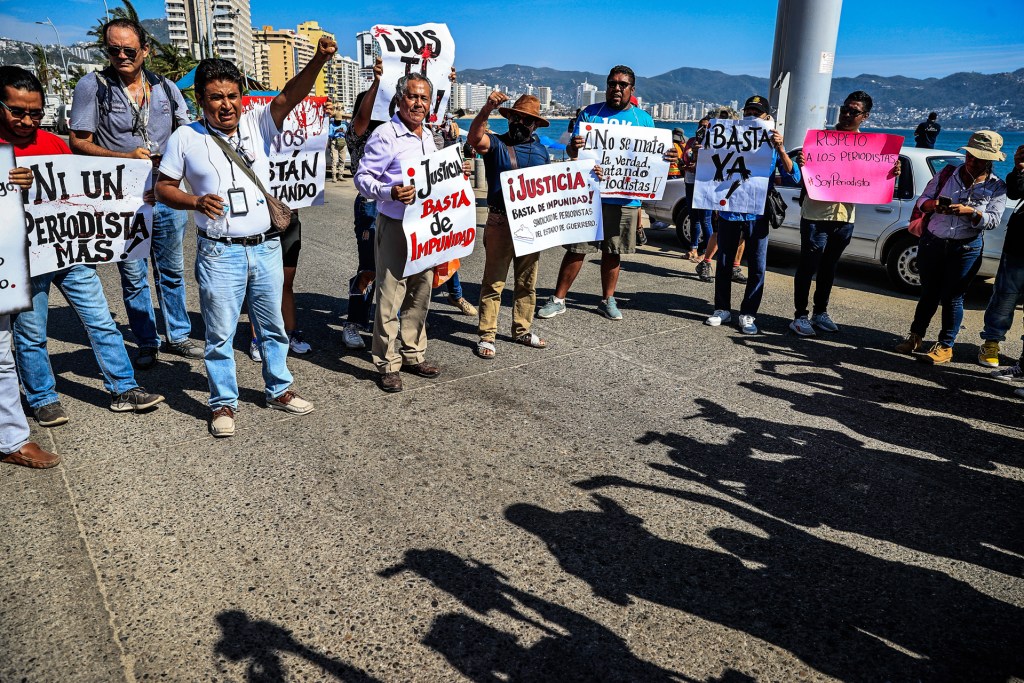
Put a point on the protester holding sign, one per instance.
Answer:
(826, 227)
(380, 178)
(225, 158)
(22, 99)
(620, 216)
(127, 111)
(518, 148)
(752, 226)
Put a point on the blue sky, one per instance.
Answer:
(919, 39)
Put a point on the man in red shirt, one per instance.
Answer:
(21, 103)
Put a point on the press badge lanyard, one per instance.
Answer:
(141, 111)
(237, 201)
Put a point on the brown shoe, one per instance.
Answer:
(424, 369)
(391, 382)
(31, 455)
(909, 345)
(936, 355)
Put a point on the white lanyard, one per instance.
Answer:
(141, 111)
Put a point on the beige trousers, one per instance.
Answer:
(499, 254)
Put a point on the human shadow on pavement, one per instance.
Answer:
(262, 644)
(845, 613)
(814, 477)
(571, 647)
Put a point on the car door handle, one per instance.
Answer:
(883, 209)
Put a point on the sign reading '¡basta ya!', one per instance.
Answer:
(440, 225)
(298, 164)
(86, 210)
(427, 49)
(632, 158)
(553, 204)
(733, 166)
(841, 166)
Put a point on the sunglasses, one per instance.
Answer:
(516, 118)
(115, 51)
(619, 85)
(19, 113)
(852, 112)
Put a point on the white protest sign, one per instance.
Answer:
(733, 166)
(632, 158)
(551, 205)
(15, 289)
(298, 154)
(440, 225)
(427, 49)
(86, 210)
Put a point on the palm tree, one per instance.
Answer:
(170, 62)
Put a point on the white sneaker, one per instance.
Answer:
(718, 318)
(823, 322)
(746, 324)
(254, 352)
(802, 327)
(297, 344)
(351, 338)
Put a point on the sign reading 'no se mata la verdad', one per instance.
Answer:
(733, 166)
(440, 225)
(298, 154)
(632, 159)
(859, 168)
(427, 49)
(15, 291)
(86, 210)
(553, 204)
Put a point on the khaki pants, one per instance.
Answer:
(410, 295)
(499, 253)
(338, 146)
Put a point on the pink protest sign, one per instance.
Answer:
(850, 167)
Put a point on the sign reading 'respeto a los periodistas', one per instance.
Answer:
(15, 292)
(427, 49)
(551, 205)
(859, 168)
(440, 225)
(632, 159)
(86, 210)
(733, 166)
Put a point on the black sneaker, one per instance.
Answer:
(186, 348)
(51, 415)
(738, 276)
(136, 400)
(704, 272)
(146, 357)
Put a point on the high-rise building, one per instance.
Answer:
(280, 53)
(367, 50)
(212, 28)
(544, 95)
(343, 82)
(312, 31)
(582, 98)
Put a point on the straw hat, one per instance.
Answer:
(986, 145)
(527, 105)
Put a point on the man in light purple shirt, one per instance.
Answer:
(380, 177)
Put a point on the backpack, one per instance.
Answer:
(106, 79)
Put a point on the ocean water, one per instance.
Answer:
(948, 139)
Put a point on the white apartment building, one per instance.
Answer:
(544, 95)
(343, 82)
(212, 28)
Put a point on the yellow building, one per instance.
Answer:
(278, 54)
(312, 31)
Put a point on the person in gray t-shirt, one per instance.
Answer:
(126, 111)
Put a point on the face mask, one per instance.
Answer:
(519, 133)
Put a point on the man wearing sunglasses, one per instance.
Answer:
(127, 111)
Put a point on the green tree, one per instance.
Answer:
(170, 62)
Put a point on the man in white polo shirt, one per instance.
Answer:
(239, 252)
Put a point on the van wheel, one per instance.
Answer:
(901, 264)
(684, 231)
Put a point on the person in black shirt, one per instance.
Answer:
(927, 132)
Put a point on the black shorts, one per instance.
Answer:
(291, 242)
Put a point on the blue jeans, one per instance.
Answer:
(821, 245)
(168, 274)
(360, 301)
(756, 235)
(700, 221)
(82, 288)
(454, 285)
(1008, 290)
(226, 273)
(13, 427)
(947, 268)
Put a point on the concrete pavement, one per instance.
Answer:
(646, 500)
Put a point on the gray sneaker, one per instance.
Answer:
(51, 415)
(186, 348)
(610, 309)
(823, 322)
(134, 400)
(802, 327)
(1012, 373)
(552, 308)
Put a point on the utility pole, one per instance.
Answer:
(63, 61)
(802, 59)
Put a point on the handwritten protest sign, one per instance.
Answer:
(86, 210)
(427, 49)
(840, 166)
(733, 166)
(631, 158)
(552, 205)
(298, 163)
(441, 224)
(15, 292)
